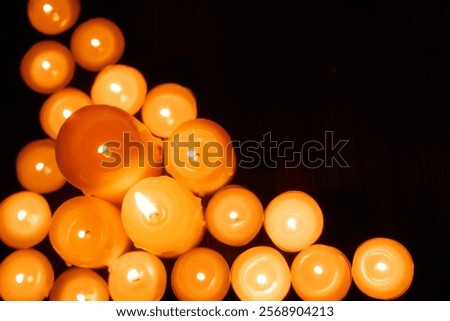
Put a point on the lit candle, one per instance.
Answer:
(59, 106)
(260, 273)
(26, 275)
(234, 215)
(201, 274)
(293, 220)
(47, 66)
(166, 106)
(161, 216)
(97, 43)
(87, 232)
(52, 17)
(36, 167)
(79, 284)
(103, 151)
(321, 273)
(121, 86)
(382, 268)
(24, 219)
(137, 276)
(200, 154)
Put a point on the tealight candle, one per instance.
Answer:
(120, 85)
(87, 232)
(161, 216)
(47, 66)
(79, 284)
(97, 43)
(166, 106)
(36, 167)
(201, 274)
(200, 154)
(24, 219)
(234, 215)
(26, 275)
(260, 273)
(59, 106)
(321, 273)
(137, 276)
(382, 268)
(293, 220)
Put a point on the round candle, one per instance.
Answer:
(79, 284)
(59, 106)
(234, 215)
(103, 151)
(47, 66)
(260, 273)
(24, 219)
(200, 154)
(121, 86)
(36, 167)
(97, 43)
(382, 268)
(293, 220)
(166, 106)
(201, 274)
(26, 275)
(52, 17)
(137, 276)
(321, 273)
(87, 232)
(161, 216)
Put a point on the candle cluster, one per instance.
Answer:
(153, 180)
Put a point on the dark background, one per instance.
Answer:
(374, 73)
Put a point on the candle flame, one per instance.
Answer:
(145, 206)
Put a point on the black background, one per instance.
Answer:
(374, 73)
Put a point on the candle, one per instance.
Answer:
(87, 232)
(79, 284)
(382, 268)
(137, 276)
(26, 275)
(201, 274)
(293, 220)
(47, 66)
(59, 106)
(234, 215)
(103, 151)
(200, 154)
(52, 17)
(321, 273)
(161, 216)
(24, 219)
(121, 86)
(166, 106)
(260, 273)
(37, 169)
(97, 43)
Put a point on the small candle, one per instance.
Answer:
(137, 276)
(26, 275)
(161, 216)
(321, 273)
(24, 219)
(201, 274)
(87, 232)
(234, 215)
(47, 67)
(79, 284)
(382, 268)
(121, 86)
(293, 220)
(97, 43)
(260, 273)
